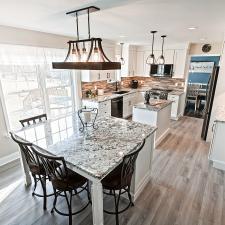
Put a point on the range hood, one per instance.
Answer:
(78, 57)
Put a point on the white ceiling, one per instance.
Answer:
(130, 18)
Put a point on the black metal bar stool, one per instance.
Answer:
(65, 182)
(33, 120)
(119, 180)
(37, 170)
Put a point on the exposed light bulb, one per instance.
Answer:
(150, 60)
(84, 55)
(96, 55)
(74, 57)
(122, 61)
(161, 59)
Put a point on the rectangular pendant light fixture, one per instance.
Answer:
(78, 58)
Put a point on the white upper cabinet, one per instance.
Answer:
(140, 64)
(169, 56)
(179, 63)
(132, 61)
(99, 75)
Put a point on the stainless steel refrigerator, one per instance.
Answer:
(211, 88)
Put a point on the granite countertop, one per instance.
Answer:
(155, 105)
(220, 114)
(111, 95)
(176, 93)
(95, 152)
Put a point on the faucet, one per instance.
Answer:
(117, 82)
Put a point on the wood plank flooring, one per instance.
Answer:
(184, 189)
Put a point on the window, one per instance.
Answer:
(30, 86)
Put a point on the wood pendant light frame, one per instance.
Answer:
(104, 64)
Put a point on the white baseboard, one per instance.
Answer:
(159, 139)
(219, 164)
(9, 161)
(142, 185)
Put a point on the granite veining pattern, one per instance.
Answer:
(95, 152)
(155, 105)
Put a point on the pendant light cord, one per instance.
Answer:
(78, 37)
(153, 39)
(89, 29)
(121, 50)
(162, 45)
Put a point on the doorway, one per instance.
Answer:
(201, 70)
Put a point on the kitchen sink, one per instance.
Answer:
(120, 92)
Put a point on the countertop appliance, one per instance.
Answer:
(117, 107)
(159, 93)
(164, 70)
(209, 101)
(134, 84)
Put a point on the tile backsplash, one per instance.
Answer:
(170, 83)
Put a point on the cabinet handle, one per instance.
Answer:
(99, 76)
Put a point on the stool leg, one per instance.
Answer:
(69, 206)
(55, 200)
(35, 183)
(43, 184)
(129, 195)
(117, 201)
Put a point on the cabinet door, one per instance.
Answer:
(140, 64)
(132, 62)
(179, 63)
(90, 75)
(175, 105)
(169, 56)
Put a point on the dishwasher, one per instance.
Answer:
(117, 107)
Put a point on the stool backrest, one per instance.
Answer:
(128, 165)
(33, 120)
(27, 150)
(55, 167)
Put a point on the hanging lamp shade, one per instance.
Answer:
(122, 60)
(86, 54)
(151, 58)
(161, 59)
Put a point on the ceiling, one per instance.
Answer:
(131, 19)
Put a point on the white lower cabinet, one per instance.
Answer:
(177, 109)
(104, 108)
(128, 102)
(217, 153)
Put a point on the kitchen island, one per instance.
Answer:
(95, 152)
(157, 113)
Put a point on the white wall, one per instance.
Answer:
(219, 99)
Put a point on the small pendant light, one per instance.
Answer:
(161, 59)
(122, 61)
(151, 58)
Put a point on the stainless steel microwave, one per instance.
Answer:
(164, 70)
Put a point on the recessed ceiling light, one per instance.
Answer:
(202, 39)
(122, 36)
(192, 28)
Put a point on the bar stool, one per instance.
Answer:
(64, 181)
(119, 180)
(33, 120)
(37, 170)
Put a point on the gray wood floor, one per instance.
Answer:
(184, 189)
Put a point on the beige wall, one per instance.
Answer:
(219, 99)
(16, 36)
(9, 35)
(196, 49)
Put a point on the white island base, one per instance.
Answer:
(157, 114)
